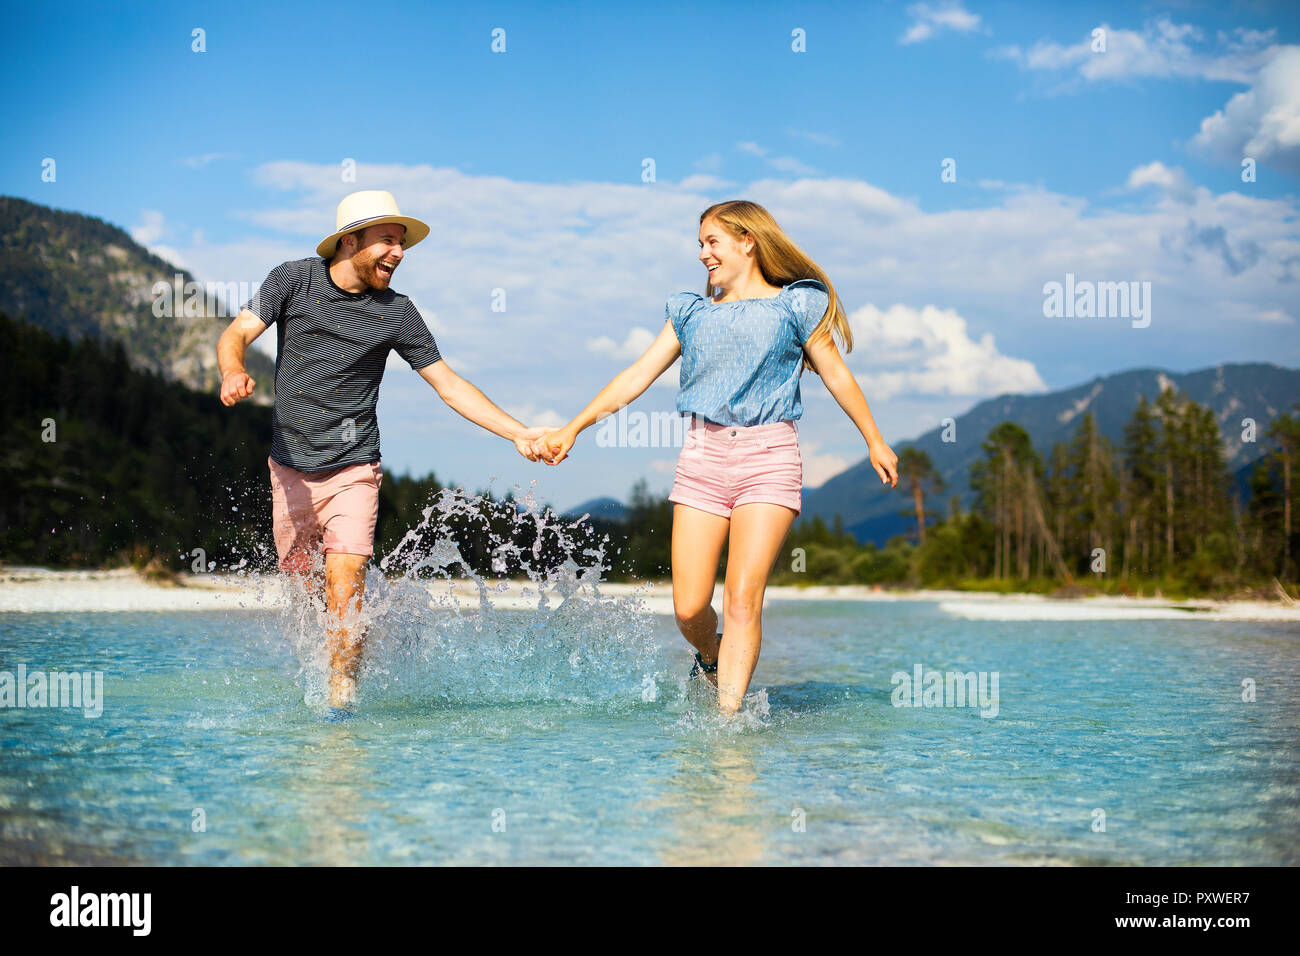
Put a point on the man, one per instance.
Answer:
(336, 320)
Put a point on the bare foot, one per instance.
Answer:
(343, 691)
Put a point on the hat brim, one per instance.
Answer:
(415, 232)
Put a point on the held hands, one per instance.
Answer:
(235, 387)
(885, 462)
(554, 448)
(545, 444)
(525, 439)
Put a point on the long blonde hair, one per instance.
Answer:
(780, 261)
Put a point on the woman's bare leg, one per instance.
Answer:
(757, 532)
(698, 538)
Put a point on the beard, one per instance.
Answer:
(364, 264)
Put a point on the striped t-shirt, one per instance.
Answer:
(331, 350)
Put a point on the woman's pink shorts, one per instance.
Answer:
(722, 466)
(325, 511)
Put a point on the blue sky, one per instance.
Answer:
(1122, 165)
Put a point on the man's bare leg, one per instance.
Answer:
(345, 584)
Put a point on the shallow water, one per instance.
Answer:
(569, 735)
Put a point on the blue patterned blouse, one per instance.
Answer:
(741, 360)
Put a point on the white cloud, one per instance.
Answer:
(1161, 48)
(172, 255)
(1263, 122)
(579, 260)
(1157, 174)
(786, 164)
(1250, 312)
(820, 468)
(199, 162)
(638, 339)
(709, 164)
(301, 222)
(150, 229)
(582, 261)
(821, 139)
(928, 19)
(703, 181)
(634, 345)
(531, 414)
(1001, 185)
(928, 351)
(1172, 180)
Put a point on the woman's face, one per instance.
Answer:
(727, 260)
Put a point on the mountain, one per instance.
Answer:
(608, 509)
(79, 276)
(1234, 392)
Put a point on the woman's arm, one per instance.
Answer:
(623, 389)
(829, 364)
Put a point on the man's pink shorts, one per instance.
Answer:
(722, 466)
(323, 511)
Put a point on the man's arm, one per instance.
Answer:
(239, 335)
(463, 398)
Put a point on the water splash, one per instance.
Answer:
(700, 714)
(439, 631)
(485, 602)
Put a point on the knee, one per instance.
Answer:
(691, 615)
(298, 561)
(345, 576)
(744, 606)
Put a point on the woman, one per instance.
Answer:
(772, 312)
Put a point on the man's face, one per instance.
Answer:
(379, 254)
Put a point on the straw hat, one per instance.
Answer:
(370, 207)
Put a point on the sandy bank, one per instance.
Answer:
(43, 590)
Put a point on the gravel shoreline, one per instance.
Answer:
(42, 590)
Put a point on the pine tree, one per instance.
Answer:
(1285, 430)
(919, 476)
(1142, 481)
(1006, 482)
(1058, 491)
